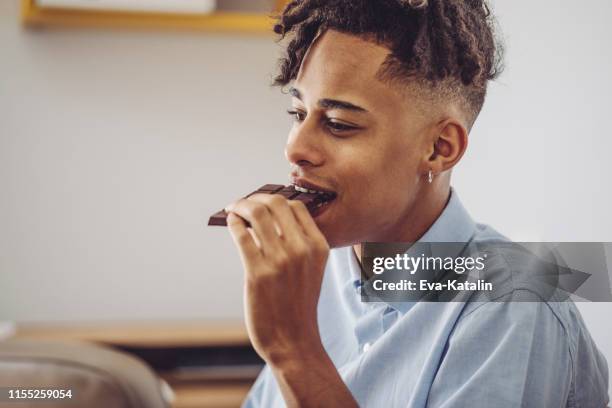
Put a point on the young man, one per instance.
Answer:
(384, 95)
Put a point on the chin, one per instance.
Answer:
(339, 231)
(335, 239)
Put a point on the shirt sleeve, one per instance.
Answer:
(254, 399)
(505, 354)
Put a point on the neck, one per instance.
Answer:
(419, 218)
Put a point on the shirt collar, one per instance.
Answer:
(454, 225)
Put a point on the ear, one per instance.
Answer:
(448, 145)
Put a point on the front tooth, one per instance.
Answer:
(306, 190)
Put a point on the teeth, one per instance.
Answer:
(305, 190)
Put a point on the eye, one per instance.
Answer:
(298, 116)
(337, 127)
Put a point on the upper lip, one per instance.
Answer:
(301, 182)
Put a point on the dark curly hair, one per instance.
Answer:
(448, 46)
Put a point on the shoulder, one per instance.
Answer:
(550, 335)
(530, 305)
(526, 283)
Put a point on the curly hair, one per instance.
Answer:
(448, 46)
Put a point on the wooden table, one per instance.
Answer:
(192, 393)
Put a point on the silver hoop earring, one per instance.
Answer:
(430, 177)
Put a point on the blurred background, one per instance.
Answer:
(116, 144)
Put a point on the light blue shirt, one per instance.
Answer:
(455, 354)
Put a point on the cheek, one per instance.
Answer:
(377, 172)
(374, 186)
(395, 166)
(404, 163)
(390, 179)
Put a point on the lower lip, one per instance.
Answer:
(321, 210)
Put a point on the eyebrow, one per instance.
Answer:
(330, 103)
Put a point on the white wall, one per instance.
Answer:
(113, 142)
(115, 146)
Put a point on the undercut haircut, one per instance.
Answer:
(448, 48)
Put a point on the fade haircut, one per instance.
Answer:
(448, 48)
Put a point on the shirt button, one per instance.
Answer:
(366, 347)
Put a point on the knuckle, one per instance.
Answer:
(258, 197)
(232, 219)
(234, 206)
(258, 211)
(244, 238)
(297, 204)
(276, 200)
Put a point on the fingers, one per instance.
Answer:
(261, 220)
(288, 225)
(280, 225)
(307, 222)
(242, 238)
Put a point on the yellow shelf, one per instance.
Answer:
(32, 15)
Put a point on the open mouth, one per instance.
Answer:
(323, 197)
(311, 191)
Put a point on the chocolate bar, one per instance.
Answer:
(312, 200)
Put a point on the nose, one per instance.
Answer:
(304, 147)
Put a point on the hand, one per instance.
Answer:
(284, 255)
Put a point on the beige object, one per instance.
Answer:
(97, 376)
(188, 392)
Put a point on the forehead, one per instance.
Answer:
(343, 65)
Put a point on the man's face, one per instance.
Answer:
(360, 137)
